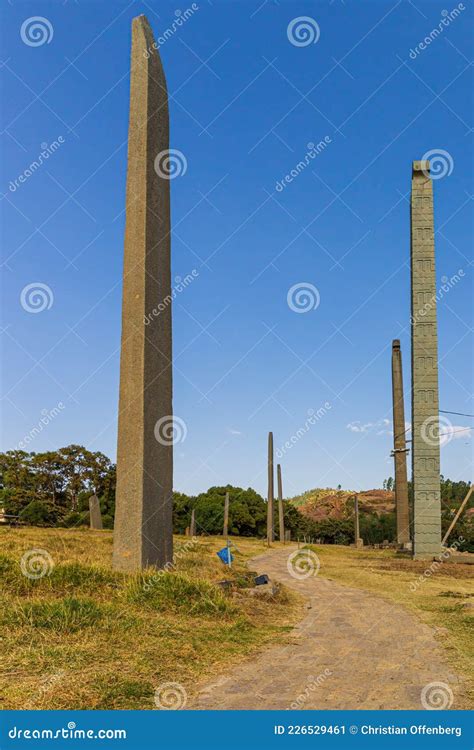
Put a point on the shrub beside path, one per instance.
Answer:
(353, 650)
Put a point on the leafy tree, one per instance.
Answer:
(376, 529)
(247, 511)
(182, 505)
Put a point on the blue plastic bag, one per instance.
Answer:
(224, 555)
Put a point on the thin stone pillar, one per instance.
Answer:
(281, 517)
(226, 515)
(270, 490)
(143, 517)
(424, 352)
(400, 447)
(94, 513)
(192, 527)
(356, 521)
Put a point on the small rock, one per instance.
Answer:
(265, 591)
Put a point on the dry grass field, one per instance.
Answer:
(86, 637)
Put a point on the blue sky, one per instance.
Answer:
(245, 104)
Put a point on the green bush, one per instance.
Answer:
(76, 519)
(37, 513)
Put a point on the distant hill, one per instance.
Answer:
(320, 503)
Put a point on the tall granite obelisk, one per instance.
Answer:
(400, 447)
(424, 353)
(270, 490)
(143, 515)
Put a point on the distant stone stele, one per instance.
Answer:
(94, 513)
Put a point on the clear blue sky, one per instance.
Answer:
(245, 102)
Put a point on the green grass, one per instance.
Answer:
(66, 616)
(86, 637)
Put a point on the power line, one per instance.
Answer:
(443, 411)
(465, 429)
(458, 413)
(441, 434)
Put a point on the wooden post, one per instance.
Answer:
(460, 510)
(270, 490)
(226, 515)
(281, 518)
(399, 447)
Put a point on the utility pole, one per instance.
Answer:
(270, 490)
(281, 517)
(399, 448)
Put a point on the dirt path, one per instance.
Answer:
(353, 650)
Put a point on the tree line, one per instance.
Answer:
(53, 489)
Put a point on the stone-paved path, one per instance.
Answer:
(353, 650)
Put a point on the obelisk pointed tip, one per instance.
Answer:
(141, 20)
(141, 25)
